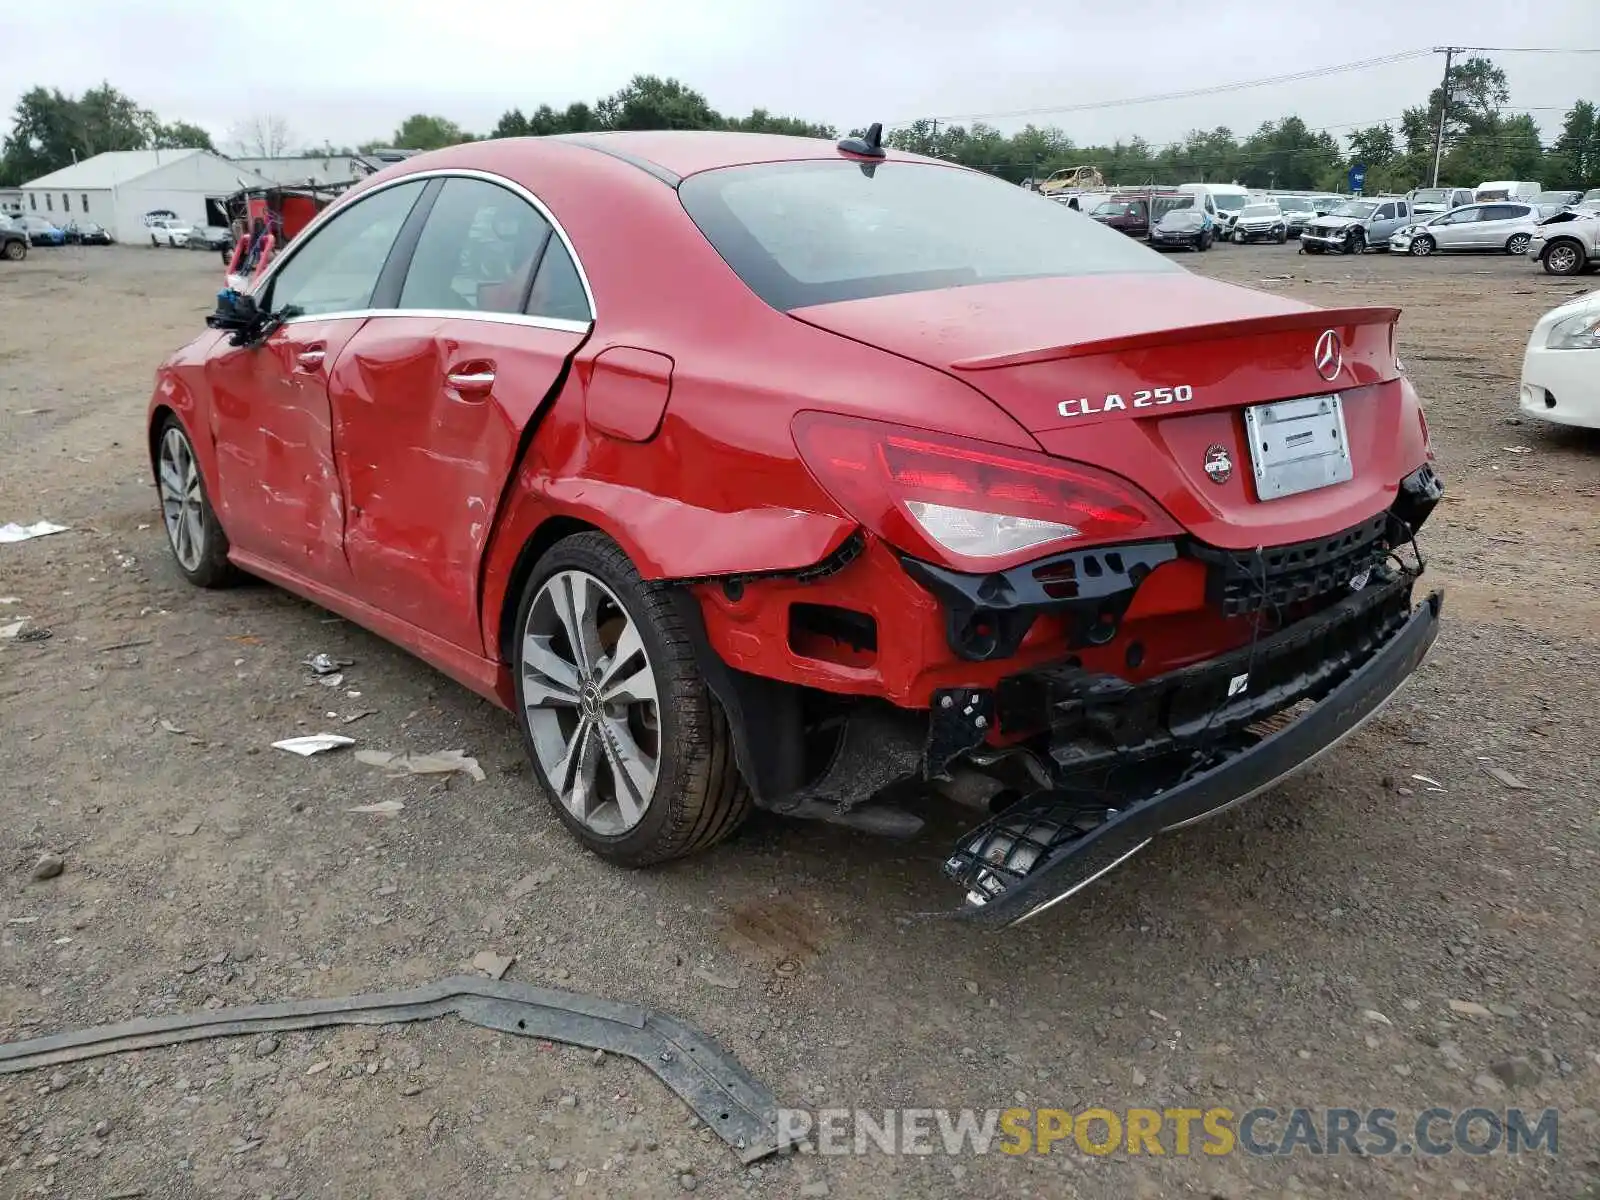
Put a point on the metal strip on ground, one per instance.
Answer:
(736, 1107)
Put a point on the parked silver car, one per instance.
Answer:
(1569, 242)
(1355, 225)
(1298, 212)
(1504, 227)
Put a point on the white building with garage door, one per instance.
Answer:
(117, 188)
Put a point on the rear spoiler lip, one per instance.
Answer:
(1319, 318)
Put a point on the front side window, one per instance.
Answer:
(1461, 216)
(478, 251)
(1385, 212)
(815, 232)
(338, 268)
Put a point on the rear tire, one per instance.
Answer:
(620, 710)
(17, 251)
(1518, 244)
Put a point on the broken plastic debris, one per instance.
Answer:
(383, 808)
(491, 964)
(7, 632)
(21, 631)
(440, 762)
(334, 680)
(10, 599)
(1429, 782)
(1502, 776)
(314, 743)
(325, 664)
(171, 728)
(13, 532)
(356, 716)
(1517, 449)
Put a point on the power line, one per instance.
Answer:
(1215, 89)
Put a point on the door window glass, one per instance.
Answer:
(1504, 212)
(558, 291)
(477, 252)
(338, 268)
(1385, 213)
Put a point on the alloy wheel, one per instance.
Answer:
(1562, 259)
(182, 501)
(1422, 247)
(591, 699)
(1518, 244)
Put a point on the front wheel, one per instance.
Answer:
(17, 251)
(1422, 246)
(1282, 237)
(1239, 237)
(1356, 243)
(198, 543)
(1518, 244)
(632, 749)
(1564, 258)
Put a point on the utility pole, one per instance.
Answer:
(1444, 107)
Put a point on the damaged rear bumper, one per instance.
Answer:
(1053, 844)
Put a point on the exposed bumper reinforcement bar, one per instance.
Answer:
(1068, 861)
(728, 1099)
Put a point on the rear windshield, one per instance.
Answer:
(1294, 204)
(815, 232)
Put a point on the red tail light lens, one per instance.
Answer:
(970, 504)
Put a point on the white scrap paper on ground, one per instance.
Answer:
(12, 532)
(314, 743)
(440, 762)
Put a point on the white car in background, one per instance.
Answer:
(169, 233)
(1569, 242)
(1561, 368)
(1504, 227)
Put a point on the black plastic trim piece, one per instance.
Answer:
(987, 616)
(597, 142)
(836, 560)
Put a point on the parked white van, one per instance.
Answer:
(1222, 200)
(1506, 189)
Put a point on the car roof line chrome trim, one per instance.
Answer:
(653, 169)
(511, 185)
(555, 324)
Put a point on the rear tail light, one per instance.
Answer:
(970, 504)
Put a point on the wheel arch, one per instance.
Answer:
(538, 543)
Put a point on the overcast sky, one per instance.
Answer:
(351, 70)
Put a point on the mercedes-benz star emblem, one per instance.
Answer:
(1218, 465)
(1328, 357)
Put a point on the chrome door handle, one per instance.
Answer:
(476, 380)
(310, 359)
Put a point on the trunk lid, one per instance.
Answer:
(1147, 375)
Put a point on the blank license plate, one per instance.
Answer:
(1297, 445)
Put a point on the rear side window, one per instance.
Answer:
(557, 289)
(815, 232)
(338, 268)
(477, 252)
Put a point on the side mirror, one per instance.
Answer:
(243, 317)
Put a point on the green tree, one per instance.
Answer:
(51, 130)
(1575, 160)
(422, 131)
(761, 121)
(650, 102)
(179, 135)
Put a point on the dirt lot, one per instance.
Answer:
(1232, 966)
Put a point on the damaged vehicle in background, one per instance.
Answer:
(659, 442)
(1568, 243)
(1484, 228)
(1298, 211)
(1354, 225)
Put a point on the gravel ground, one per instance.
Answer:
(1239, 964)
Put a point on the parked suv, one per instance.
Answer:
(1568, 243)
(1260, 221)
(1355, 225)
(1430, 202)
(1125, 214)
(13, 241)
(1483, 227)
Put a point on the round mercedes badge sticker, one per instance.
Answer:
(1218, 464)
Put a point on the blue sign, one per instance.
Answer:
(1358, 178)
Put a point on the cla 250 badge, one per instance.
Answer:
(1086, 406)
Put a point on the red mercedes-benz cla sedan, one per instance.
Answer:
(750, 470)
